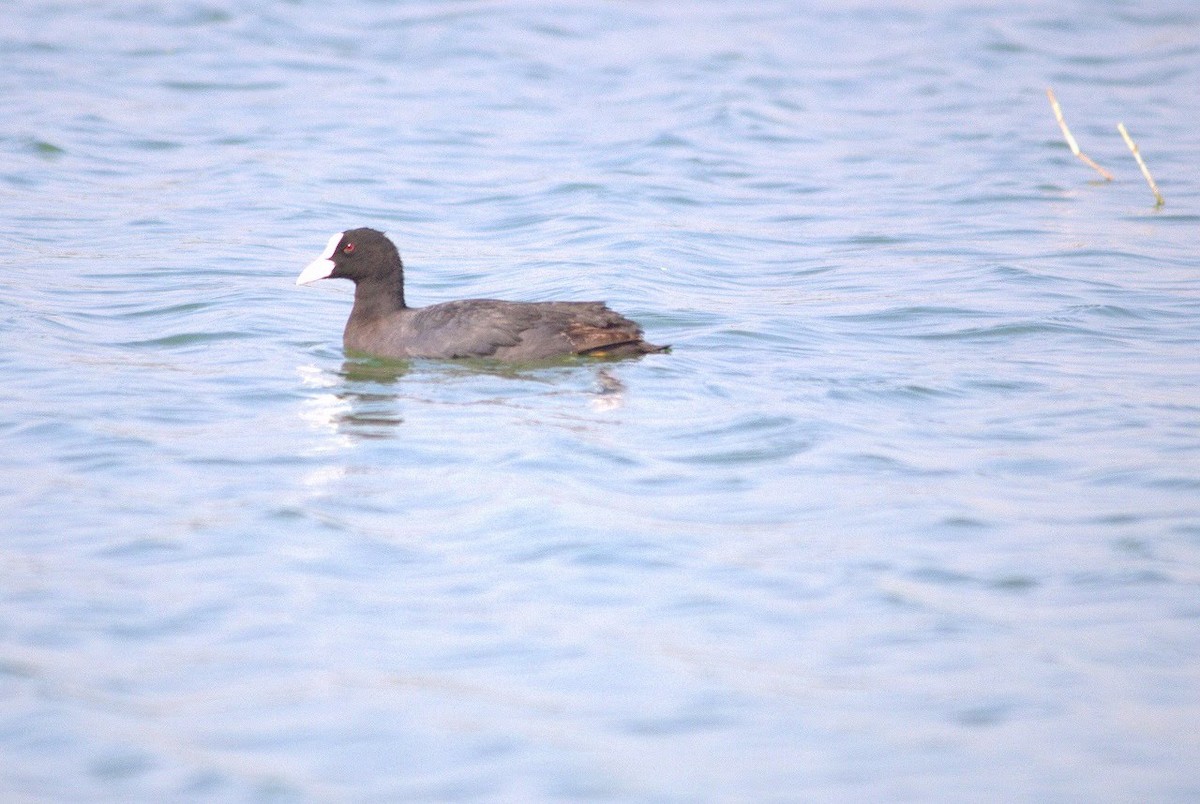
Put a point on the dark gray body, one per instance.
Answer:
(490, 328)
(381, 324)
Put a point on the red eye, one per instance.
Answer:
(348, 248)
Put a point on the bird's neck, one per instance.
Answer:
(378, 297)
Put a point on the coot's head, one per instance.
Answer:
(355, 254)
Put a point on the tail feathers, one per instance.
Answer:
(625, 349)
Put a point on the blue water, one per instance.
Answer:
(911, 512)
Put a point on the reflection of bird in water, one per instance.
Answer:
(370, 407)
(370, 415)
(610, 391)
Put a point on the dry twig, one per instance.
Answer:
(1145, 170)
(1058, 115)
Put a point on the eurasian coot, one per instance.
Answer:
(382, 325)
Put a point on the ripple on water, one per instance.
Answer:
(912, 501)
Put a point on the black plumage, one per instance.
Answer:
(382, 325)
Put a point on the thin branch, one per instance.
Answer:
(1145, 170)
(1087, 160)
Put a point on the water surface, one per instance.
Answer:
(911, 512)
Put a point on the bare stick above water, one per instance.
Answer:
(1145, 170)
(1058, 115)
